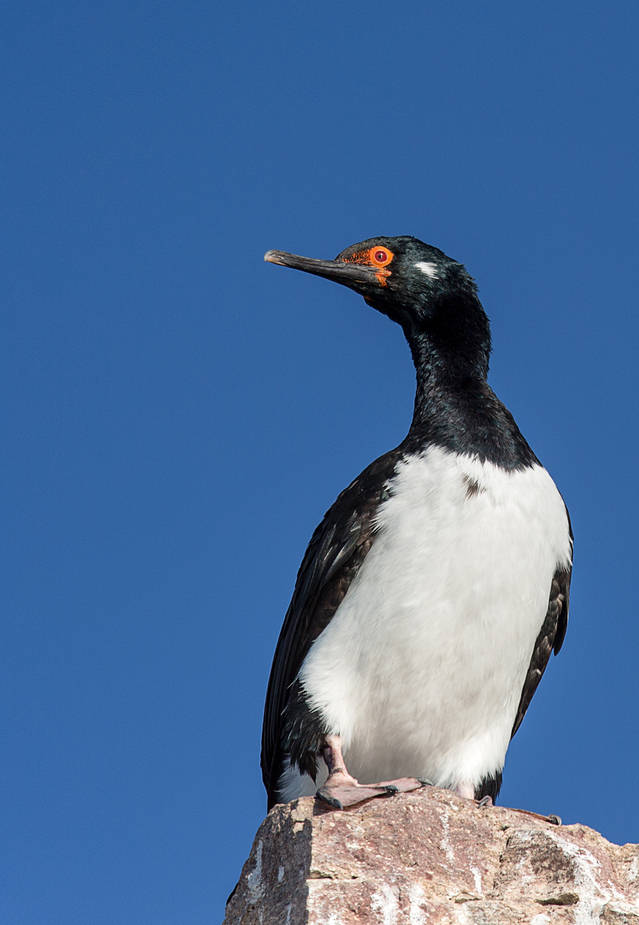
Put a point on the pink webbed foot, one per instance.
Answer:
(342, 789)
(339, 794)
(338, 791)
(552, 819)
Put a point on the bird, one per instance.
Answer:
(433, 592)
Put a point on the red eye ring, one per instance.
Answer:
(380, 256)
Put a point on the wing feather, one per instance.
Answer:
(334, 555)
(551, 637)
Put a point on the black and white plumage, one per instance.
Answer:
(434, 590)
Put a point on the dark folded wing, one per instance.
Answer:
(333, 558)
(551, 636)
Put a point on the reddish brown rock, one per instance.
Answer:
(431, 858)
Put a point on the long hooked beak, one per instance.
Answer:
(349, 274)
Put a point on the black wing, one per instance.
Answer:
(551, 636)
(333, 558)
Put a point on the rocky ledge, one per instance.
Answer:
(429, 858)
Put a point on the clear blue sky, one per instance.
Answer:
(177, 415)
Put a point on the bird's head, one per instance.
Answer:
(414, 284)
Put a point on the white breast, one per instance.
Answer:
(422, 667)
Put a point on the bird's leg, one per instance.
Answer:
(341, 789)
(466, 790)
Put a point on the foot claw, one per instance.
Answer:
(485, 801)
(552, 819)
(325, 797)
(425, 782)
(391, 788)
(401, 784)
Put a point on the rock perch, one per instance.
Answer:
(431, 858)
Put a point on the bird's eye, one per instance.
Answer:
(380, 256)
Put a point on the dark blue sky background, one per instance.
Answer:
(177, 415)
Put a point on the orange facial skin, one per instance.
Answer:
(374, 257)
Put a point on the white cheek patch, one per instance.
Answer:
(430, 269)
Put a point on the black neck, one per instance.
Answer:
(456, 409)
